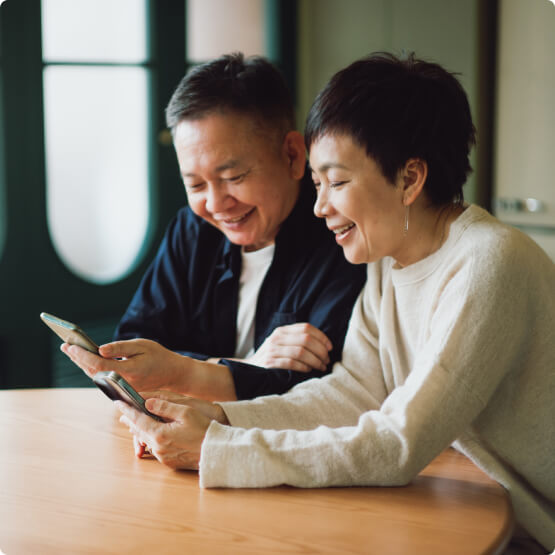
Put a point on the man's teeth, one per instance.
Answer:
(343, 229)
(235, 220)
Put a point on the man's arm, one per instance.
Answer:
(338, 285)
(185, 300)
(148, 366)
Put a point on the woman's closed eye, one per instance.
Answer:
(315, 180)
(334, 184)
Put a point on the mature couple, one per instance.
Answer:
(449, 342)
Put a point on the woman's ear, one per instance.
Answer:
(294, 150)
(414, 176)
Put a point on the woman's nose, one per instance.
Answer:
(321, 206)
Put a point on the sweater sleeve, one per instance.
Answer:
(475, 338)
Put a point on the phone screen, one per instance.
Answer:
(118, 389)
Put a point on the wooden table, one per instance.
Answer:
(70, 484)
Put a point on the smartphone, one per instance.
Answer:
(117, 389)
(69, 332)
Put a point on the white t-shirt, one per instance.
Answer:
(254, 267)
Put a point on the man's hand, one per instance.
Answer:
(301, 347)
(177, 442)
(145, 364)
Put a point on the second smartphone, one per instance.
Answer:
(118, 389)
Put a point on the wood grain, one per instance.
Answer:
(69, 483)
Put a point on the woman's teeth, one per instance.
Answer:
(343, 229)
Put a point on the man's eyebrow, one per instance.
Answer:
(229, 165)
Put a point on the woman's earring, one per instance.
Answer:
(406, 226)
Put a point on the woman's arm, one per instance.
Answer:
(476, 339)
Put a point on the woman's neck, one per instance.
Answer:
(428, 229)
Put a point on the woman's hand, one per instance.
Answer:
(177, 442)
(210, 410)
(301, 347)
(145, 364)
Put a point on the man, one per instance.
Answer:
(245, 272)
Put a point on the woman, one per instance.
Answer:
(450, 341)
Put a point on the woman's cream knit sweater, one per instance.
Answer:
(458, 348)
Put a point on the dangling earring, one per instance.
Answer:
(406, 226)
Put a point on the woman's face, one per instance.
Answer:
(362, 208)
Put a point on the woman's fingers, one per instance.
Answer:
(140, 448)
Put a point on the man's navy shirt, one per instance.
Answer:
(188, 298)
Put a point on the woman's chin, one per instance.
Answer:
(354, 257)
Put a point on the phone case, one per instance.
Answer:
(118, 389)
(69, 332)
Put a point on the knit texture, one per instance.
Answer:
(457, 348)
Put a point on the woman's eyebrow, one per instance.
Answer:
(330, 165)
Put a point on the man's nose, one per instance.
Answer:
(217, 198)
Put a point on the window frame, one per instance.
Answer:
(32, 278)
(28, 251)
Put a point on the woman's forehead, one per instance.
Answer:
(332, 149)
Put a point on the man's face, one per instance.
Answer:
(240, 179)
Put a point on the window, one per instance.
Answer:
(216, 27)
(96, 96)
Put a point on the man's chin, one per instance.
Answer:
(244, 240)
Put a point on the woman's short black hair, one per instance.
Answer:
(232, 83)
(399, 109)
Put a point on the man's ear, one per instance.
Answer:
(413, 176)
(294, 150)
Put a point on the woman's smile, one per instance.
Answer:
(344, 232)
